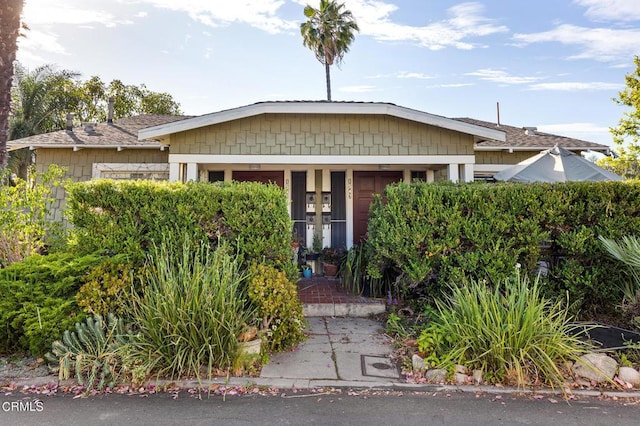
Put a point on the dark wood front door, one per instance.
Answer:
(365, 184)
(276, 177)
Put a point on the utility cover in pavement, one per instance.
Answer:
(379, 366)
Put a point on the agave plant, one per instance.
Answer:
(90, 352)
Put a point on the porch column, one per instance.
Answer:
(467, 172)
(192, 172)
(453, 172)
(431, 176)
(174, 172)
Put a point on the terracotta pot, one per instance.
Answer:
(329, 269)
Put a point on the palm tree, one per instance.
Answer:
(328, 32)
(9, 30)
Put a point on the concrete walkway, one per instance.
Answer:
(352, 351)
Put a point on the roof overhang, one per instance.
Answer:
(605, 149)
(78, 147)
(164, 130)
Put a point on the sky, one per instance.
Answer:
(554, 64)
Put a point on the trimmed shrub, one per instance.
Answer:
(107, 288)
(277, 304)
(131, 216)
(38, 303)
(434, 234)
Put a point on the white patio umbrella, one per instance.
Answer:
(555, 165)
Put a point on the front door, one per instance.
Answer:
(276, 177)
(365, 184)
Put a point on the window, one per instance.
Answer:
(126, 171)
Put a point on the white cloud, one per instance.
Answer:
(500, 76)
(465, 21)
(260, 14)
(611, 10)
(450, 85)
(601, 44)
(573, 86)
(45, 13)
(357, 89)
(403, 75)
(36, 42)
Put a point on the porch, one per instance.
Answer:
(323, 297)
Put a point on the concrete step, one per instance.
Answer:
(355, 310)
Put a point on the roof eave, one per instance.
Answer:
(540, 148)
(163, 130)
(83, 146)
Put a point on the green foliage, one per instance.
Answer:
(24, 226)
(328, 32)
(37, 302)
(44, 96)
(353, 273)
(627, 134)
(433, 341)
(190, 311)
(131, 216)
(91, 352)
(107, 288)
(432, 234)
(510, 331)
(277, 303)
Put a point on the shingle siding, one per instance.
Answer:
(293, 134)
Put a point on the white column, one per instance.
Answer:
(311, 180)
(431, 175)
(406, 175)
(349, 188)
(287, 188)
(174, 172)
(326, 180)
(453, 172)
(467, 172)
(228, 175)
(192, 172)
(326, 187)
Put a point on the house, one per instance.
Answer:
(331, 157)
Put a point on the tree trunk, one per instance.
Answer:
(328, 75)
(9, 29)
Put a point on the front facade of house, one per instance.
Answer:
(331, 157)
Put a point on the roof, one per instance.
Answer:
(529, 139)
(321, 107)
(123, 132)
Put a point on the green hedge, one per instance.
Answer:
(434, 234)
(130, 216)
(37, 302)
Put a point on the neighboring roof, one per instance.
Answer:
(321, 107)
(123, 132)
(529, 139)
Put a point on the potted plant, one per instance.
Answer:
(316, 248)
(306, 270)
(331, 258)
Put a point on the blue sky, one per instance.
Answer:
(555, 64)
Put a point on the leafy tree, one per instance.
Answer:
(10, 12)
(328, 32)
(43, 97)
(627, 134)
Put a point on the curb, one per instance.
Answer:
(305, 384)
